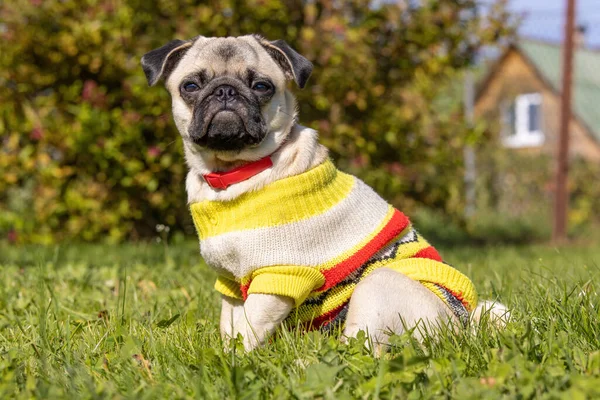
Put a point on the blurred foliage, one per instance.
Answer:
(515, 201)
(520, 186)
(486, 227)
(89, 151)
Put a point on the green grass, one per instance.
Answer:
(141, 321)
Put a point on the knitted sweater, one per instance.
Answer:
(313, 237)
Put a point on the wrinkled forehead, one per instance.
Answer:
(228, 54)
(232, 56)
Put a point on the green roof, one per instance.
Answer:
(546, 58)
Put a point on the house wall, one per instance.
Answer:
(515, 76)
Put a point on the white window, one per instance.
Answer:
(523, 122)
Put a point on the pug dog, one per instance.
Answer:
(291, 237)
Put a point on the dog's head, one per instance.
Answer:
(229, 94)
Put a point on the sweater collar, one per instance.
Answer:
(222, 180)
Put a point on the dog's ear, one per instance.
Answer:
(161, 62)
(294, 65)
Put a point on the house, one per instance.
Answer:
(521, 95)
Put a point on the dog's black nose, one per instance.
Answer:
(225, 93)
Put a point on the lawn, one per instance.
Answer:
(141, 321)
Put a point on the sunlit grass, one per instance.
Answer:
(141, 321)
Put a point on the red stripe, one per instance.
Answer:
(324, 319)
(393, 228)
(428, 252)
(244, 289)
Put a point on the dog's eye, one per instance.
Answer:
(261, 87)
(190, 87)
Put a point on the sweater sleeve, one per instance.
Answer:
(228, 287)
(291, 281)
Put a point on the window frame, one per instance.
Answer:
(519, 134)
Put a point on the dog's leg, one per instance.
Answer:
(388, 302)
(497, 313)
(260, 316)
(231, 310)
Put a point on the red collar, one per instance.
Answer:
(222, 180)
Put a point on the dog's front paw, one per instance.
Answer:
(251, 337)
(250, 343)
(228, 343)
(233, 343)
(491, 312)
(243, 334)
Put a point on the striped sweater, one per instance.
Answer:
(313, 237)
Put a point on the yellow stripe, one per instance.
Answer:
(337, 296)
(291, 281)
(228, 287)
(426, 270)
(285, 201)
(407, 250)
(435, 289)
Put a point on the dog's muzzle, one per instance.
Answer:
(227, 120)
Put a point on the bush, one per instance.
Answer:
(515, 202)
(517, 190)
(439, 228)
(89, 151)
(491, 227)
(486, 227)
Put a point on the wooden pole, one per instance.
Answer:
(561, 196)
(468, 151)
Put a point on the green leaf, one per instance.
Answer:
(165, 323)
